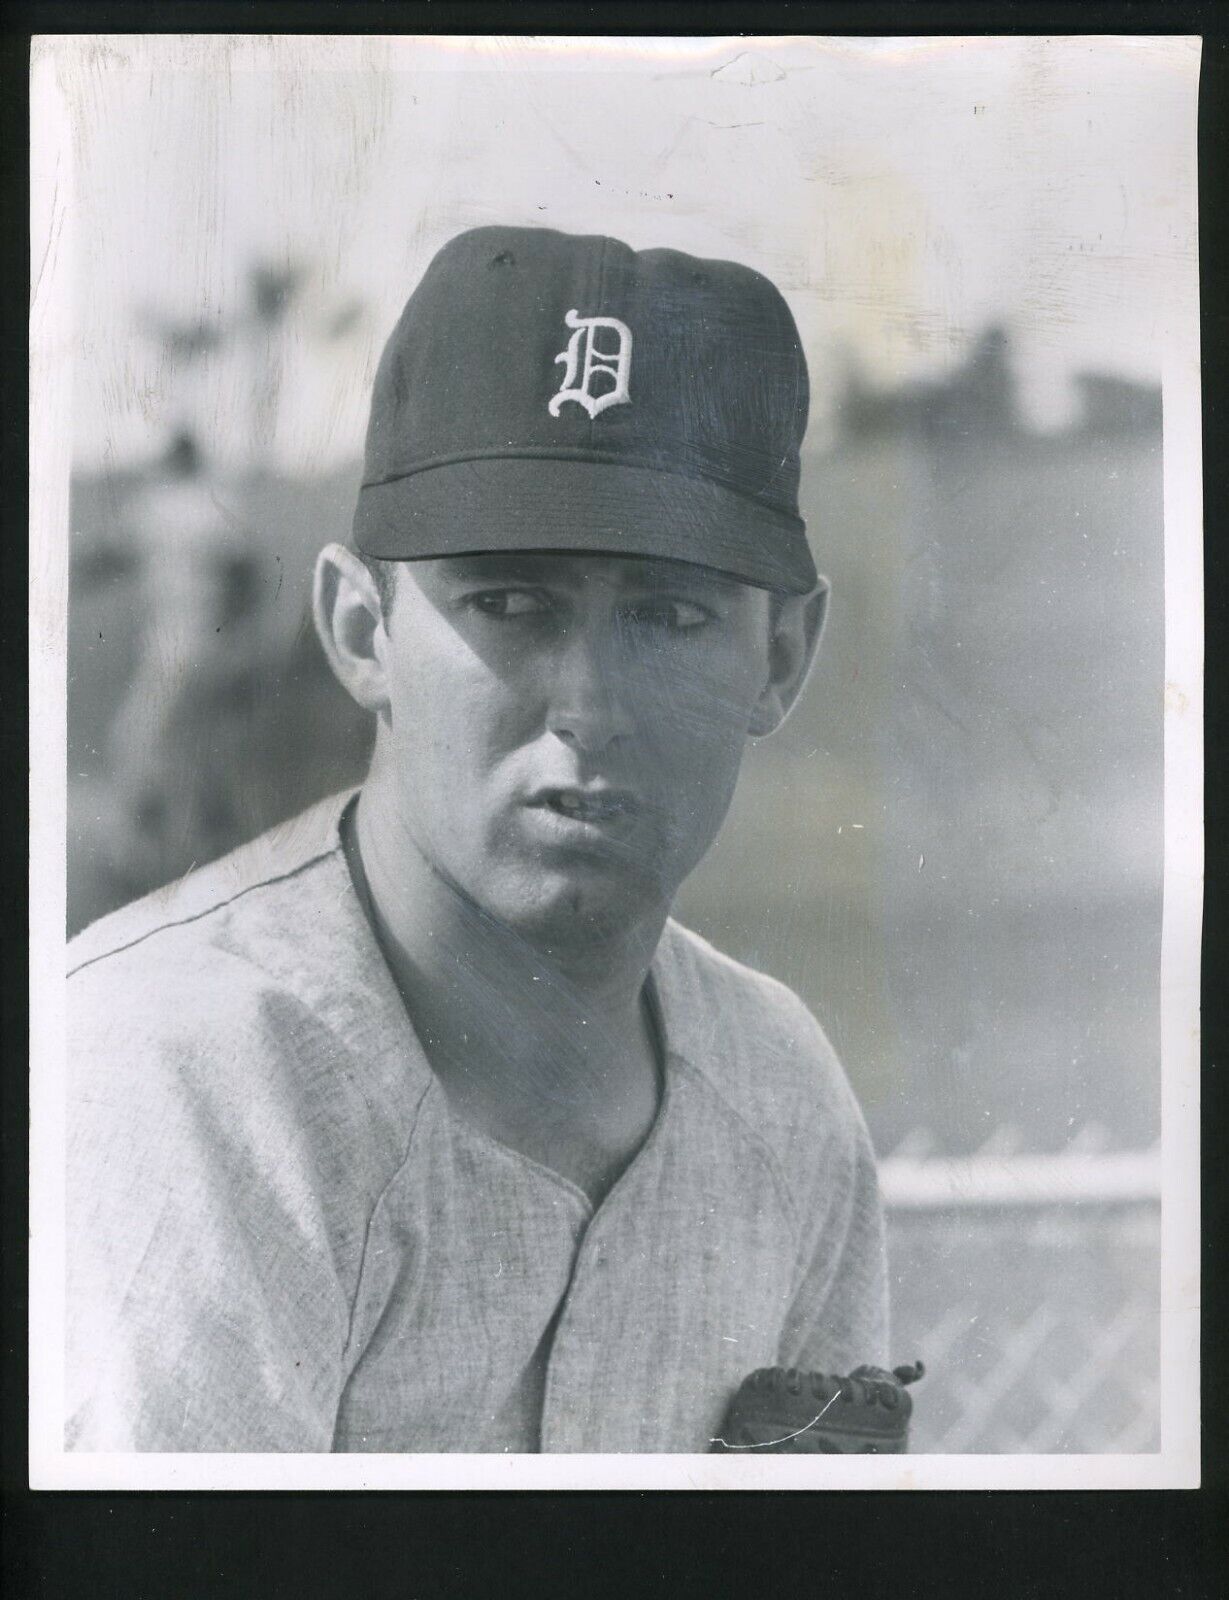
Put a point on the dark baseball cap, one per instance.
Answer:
(547, 391)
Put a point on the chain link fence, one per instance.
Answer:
(1031, 1289)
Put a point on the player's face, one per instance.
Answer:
(564, 733)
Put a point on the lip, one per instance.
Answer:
(591, 804)
(583, 810)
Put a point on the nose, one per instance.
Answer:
(588, 691)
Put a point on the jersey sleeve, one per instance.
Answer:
(839, 1316)
(775, 1063)
(203, 1312)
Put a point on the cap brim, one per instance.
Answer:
(517, 503)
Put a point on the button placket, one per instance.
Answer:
(574, 1349)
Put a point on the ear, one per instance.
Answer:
(350, 622)
(795, 639)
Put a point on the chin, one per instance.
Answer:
(577, 910)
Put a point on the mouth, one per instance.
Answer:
(597, 807)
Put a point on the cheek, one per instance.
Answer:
(705, 705)
(696, 736)
(450, 716)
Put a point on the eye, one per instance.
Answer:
(508, 603)
(672, 616)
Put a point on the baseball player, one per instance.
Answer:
(418, 1124)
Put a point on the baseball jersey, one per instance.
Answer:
(282, 1238)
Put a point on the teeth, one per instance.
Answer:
(573, 804)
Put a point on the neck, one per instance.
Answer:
(542, 1026)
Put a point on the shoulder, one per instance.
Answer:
(761, 1049)
(728, 1006)
(218, 992)
(189, 912)
(237, 1036)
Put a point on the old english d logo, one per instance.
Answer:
(605, 364)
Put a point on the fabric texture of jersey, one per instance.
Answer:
(280, 1237)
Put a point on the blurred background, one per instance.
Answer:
(953, 851)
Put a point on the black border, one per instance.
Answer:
(685, 18)
(420, 1546)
